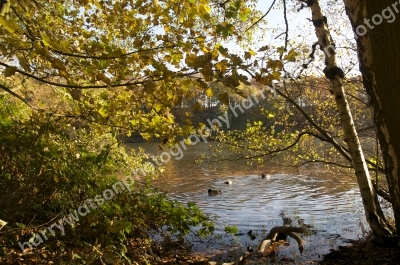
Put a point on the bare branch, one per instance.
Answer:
(222, 4)
(261, 18)
(383, 193)
(325, 162)
(9, 91)
(287, 27)
(109, 57)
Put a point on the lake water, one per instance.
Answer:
(329, 205)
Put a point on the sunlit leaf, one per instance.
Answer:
(197, 106)
(224, 98)
(10, 71)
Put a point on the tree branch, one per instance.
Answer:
(109, 57)
(223, 4)
(270, 152)
(328, 137)
(261, 18)
(93, 86)
(325, 162)
(287, 28)
(381, 192)
(9, 91)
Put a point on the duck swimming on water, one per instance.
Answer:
(263, 176)
(213, 192)
(229, 182)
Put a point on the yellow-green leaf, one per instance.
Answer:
(224, 98)
(149, 86)
(197, 106)
(291, 56)
(45, 39)
(10, 71)
(24, 64)
(103, 112)
(58, 64)
(9, 25)
(209, 93)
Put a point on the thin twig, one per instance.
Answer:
(325, 162)
(109, 57)
(287, 27)
(261, 18)
(9, 91)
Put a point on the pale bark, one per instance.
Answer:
(2, 223)
(373, 211)
(379, 53)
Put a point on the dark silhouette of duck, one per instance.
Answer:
(263, 176)
(229, 182)
(213, 192)
(251, 235)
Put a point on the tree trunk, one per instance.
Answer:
(379, 54)
(375, 217)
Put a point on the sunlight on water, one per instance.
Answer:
(256, 204)
(329, 207)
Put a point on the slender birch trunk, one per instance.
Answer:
(375, 217)
(379, 54)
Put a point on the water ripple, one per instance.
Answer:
(252, 203)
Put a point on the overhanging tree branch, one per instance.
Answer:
(270, 152)
(9, 91)
(328, 137)
(324, 162)
(383, 193)
(261, 18)
(287, 27)
(109, 57)
(93, 86)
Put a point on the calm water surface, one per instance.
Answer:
(329, 205)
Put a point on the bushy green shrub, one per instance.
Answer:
(48, 168)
